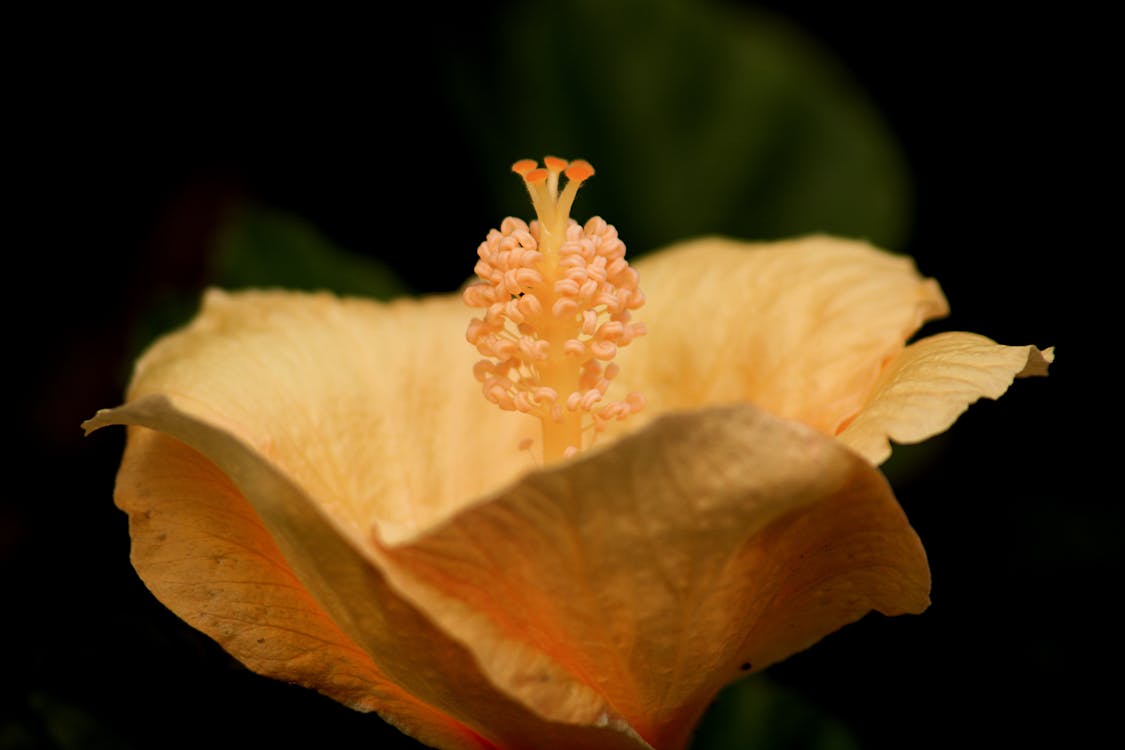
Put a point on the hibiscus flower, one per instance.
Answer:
(654, 510)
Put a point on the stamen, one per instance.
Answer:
(557, 299)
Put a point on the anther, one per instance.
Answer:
(566, 287)
(574, 347)
(603, 350)
(589, 322)
(563, 307)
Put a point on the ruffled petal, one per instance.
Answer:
(358, 401)
(665, 565)
(801, 328)
(336, 568)
(925, 389)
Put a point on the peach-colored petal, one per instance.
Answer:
(268, 387)
(656, 569)
(801, 328)
(923, 390)
(201, 549)
(334, 565)
(360, 402)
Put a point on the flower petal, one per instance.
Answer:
(925, 389)
(357, 400)
(801, 328)
(201, 549)
(333, 565)
(655, 570)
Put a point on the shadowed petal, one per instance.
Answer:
(654, 569)
(801, 328)
(926, 388)
(336, 569)
(202, 550)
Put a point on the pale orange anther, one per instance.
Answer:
(482, 370)
(564, 307)
(579, 170)
(523, 166)
(546, 394)
(574, 347)
(589, 398)
(589, 322)
(535, 175)
(554, 163)
(603, 350)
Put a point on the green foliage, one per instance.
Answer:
(714, 120)
(259, 247)
(756, 714)
(50, 721)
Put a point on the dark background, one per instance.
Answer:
(128, 144)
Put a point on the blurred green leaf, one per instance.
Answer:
(60, 724)
(911, 463)
(756, 714)
(716, 119)
(262, 247)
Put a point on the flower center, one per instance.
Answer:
(557, 298)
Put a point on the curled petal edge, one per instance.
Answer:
(923, 391)
(799, 327)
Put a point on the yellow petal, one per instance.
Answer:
(202, 550)
(655, 569)
(719, 538)
(334, 565)
(923, 390)
(801, 328)
(361, 402)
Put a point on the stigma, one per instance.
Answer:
(558, 298)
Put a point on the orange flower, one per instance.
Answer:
(318, 484)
